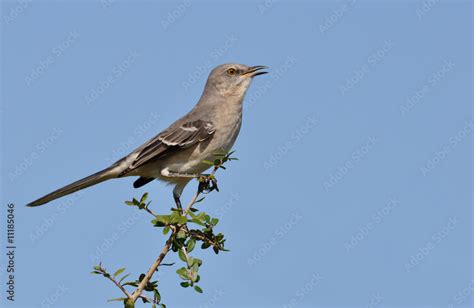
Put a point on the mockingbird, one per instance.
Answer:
(176, 154)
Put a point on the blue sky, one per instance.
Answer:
(354, 184)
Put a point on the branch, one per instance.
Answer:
(108, 276)
(167, 246)
(119, 286)
(152, 270)
(150, 211)
(198, 192)
(181, 238)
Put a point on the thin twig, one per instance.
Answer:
(151, 271)
(185, 251)
(118, 285)
(201, 237)
(192, 202)
(138, 292)
(150, 211)
(196, 195)
(148, 299)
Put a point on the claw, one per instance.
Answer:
(207, 183)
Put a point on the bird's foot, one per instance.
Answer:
(207, 183)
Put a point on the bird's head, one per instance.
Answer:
(233, 79)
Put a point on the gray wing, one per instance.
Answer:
(171, 140)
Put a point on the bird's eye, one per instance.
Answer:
(231, 71)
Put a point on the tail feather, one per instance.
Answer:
(93, 179)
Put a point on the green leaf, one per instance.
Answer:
(119, 271)
(198, 289)
(161, 220)
(122, 279)
(117, 299)
(129, 203)
(191, 244)
(166, 230)
(200, 199)
(157, 296)
(197, 222)
(131, 283)
(197, 261)
(182, 256)
(190, 261)
(166, 264)
(182, 220)
(183, 273)
(184, 284)
(176, 218)
(181, 234)
(144, 197)
(208, 162)
(214, 221)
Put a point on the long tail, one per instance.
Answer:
(93, 179)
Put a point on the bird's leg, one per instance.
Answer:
(177, 201)
(177, 195)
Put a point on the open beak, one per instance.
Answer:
(254, 71)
